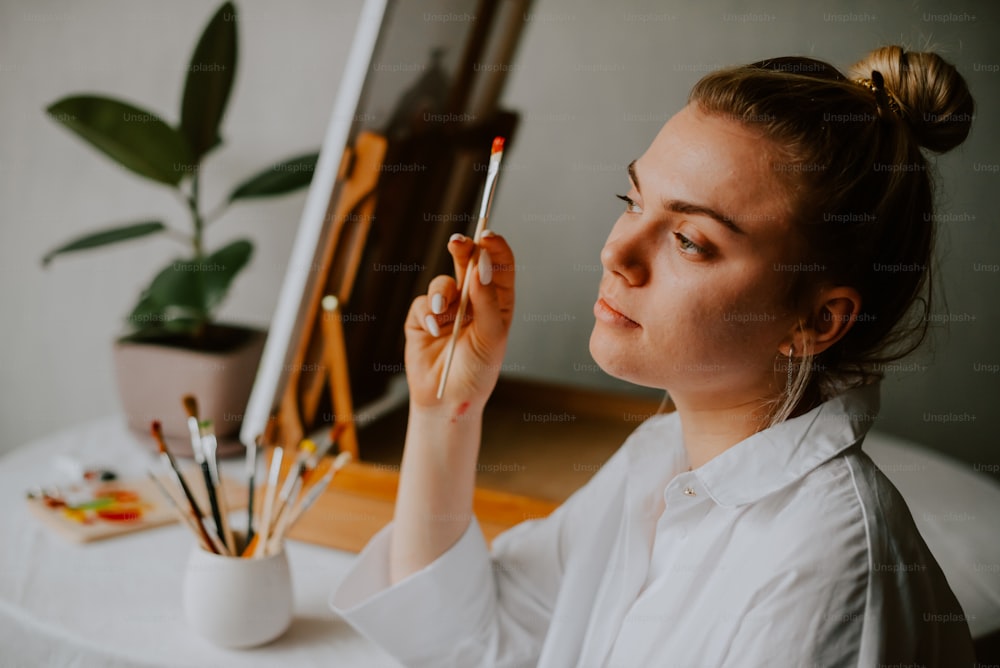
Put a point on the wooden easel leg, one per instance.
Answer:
(335, 361)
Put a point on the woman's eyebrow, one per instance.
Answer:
(678, 206)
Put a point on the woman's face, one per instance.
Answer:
(698, 267)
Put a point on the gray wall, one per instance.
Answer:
(594, 84)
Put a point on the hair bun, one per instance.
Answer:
(933, 97)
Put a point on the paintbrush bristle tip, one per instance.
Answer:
(190, 405)
(497, 145)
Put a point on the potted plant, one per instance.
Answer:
(174, 345)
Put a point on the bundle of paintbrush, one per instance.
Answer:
(294, 482)
(211, 525)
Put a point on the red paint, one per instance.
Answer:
(464, 406)
(497, 145)
(120, 515)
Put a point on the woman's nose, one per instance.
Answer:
(625, 255)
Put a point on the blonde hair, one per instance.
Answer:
(861, 189)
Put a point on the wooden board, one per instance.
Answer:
(360, 501)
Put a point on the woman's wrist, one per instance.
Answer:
(448, 412)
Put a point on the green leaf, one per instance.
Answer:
(177, 291)
(210, 77)
(135, 138)
(146, 317)
(183, 295)
(150, 320)
(278, 179)
(220, 268)
(108, 236)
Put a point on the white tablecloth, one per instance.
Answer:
(117, 602)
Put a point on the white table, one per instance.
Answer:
(118, 602)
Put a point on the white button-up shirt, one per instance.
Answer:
(788, 550)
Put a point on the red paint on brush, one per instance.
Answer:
(155, 427)
(497, 145)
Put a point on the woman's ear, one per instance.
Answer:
(834, 312)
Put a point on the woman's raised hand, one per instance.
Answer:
(482, 340)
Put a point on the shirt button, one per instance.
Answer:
(689, 492)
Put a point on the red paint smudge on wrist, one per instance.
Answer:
(464, 406)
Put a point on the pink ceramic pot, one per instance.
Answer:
(153, 378)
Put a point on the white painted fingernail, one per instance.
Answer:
(485, 267)
(432, 325)
(487, 233)
(456, 237)
(437, 303)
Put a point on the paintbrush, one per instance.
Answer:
(336, 431)
(157, 430)
(264, 527)
(306, 449)
(281, 517)
(204, 538)
(496, 155)
(308, 499)
(191, 408)
(210, 447)
(251, 461)
(312, 467)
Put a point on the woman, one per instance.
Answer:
(777, 231)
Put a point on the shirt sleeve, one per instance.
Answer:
(468, 607)
(471, 607)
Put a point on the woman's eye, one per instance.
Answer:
(630, 205)
(688, 246)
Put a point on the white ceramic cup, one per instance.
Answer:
(236, 602)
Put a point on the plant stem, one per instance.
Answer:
(186, 239)
(199, 223)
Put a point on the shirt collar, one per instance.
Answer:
(780, 455)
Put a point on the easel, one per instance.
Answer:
(321, 357)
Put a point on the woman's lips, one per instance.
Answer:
(604, 313)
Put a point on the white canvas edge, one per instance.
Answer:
(263, 397)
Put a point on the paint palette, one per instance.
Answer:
(87, 512)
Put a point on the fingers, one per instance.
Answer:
(420, 321)
(491, 288)
(461, 248)
(493, 293)
(500, 259)
(441, 304)
(441, 293)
